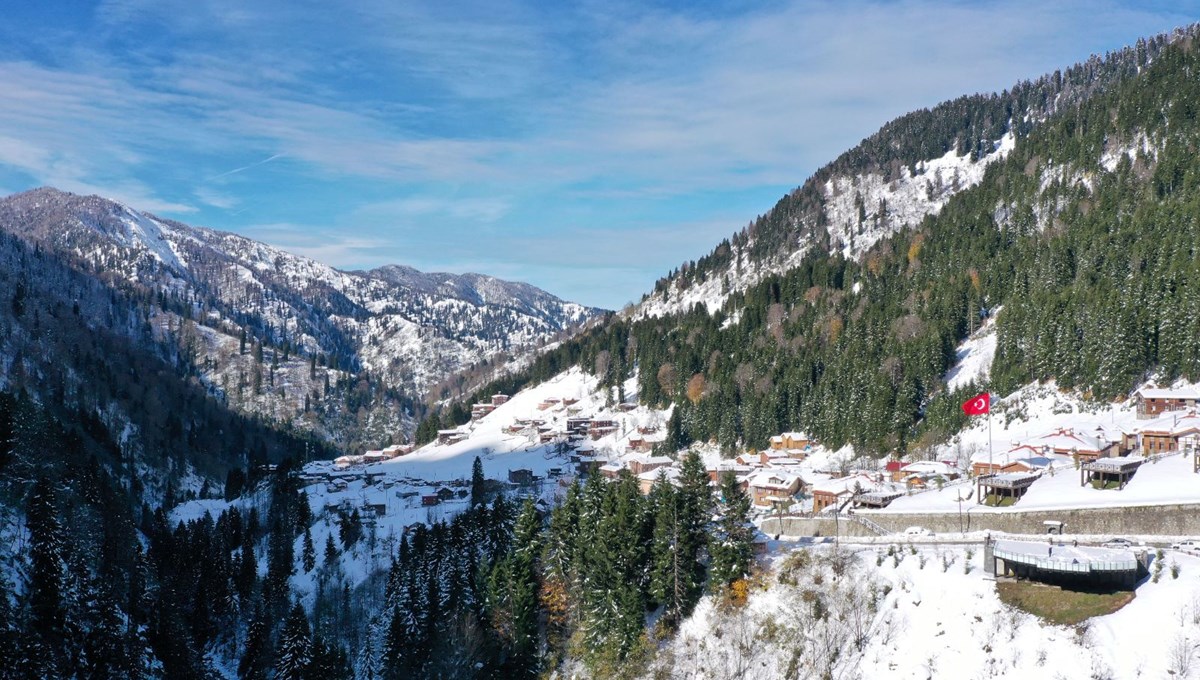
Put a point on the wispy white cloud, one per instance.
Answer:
(249, 166)
(215, 198)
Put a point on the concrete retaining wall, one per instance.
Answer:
(1166, 520)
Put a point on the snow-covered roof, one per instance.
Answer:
(671, 474)
(1067, 439)
(774, 479)
(1166, 393)
(843, 485)
(929, 467)
(1173, 423)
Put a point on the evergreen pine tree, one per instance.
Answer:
(47, 610)
(513, 595)
(331, 552)
(309, 553)
(663, 547)
(9, 628)
(396, 653)
(477, 483)
(732, 544)
(254, 660)
(295, 647)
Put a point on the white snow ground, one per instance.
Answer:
(924, 615)
(974, 356)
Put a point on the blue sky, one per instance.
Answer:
(585, 147)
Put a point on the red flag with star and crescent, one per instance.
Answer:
(978, 405)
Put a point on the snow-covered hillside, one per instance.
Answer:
(859, 210)
(392, 492)
(974, 356)
(926, 612)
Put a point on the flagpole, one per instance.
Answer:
(991, 469)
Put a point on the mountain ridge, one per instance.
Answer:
(409, 331)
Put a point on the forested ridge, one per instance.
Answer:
(968, 125)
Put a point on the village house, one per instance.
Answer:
(586, 465)
(646, 480)
(927, 470)
(643, 443)
(1081, 446)
(601, 428)
(499, 399)
(741, 473)
(550, 402)
(790, 440)
(430, 499)
(481, 409)
(1064, 442)
(1020, 458)
(522, 476)
(772, 456)
(1170, 432)
(578, 425)
(771, 487)
(641, 464)
(611, 470)
(1153, 402)
(749, 458)
(374, 457)
(835, 492)
(397, 450)
(446, 437)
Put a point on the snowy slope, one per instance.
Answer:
(398, 484)
(926, 613)
(859, 210)
(974, 356)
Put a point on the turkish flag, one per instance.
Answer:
(977, 406)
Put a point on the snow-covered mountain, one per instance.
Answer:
(905, 172)
(408, 329)
(857, 211)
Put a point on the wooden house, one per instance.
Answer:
(1171, 432)
(520, 476)
(790, 440)
(834, 492)
(769, 487)
(642, 464)
(1153, 402)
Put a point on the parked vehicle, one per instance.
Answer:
(1118, 543)
(1186, 546)
(917, 531)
